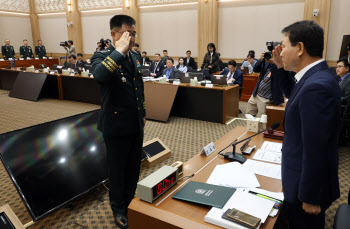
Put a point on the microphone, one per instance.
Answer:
(233, 156)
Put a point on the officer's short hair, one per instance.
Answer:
(117, 21)
(144, 52)
(136, 45)
(165, 50)
(157, 54)
(188, 51)
(70, 41)
(39, 40)
(169, 58)
(25, 40)
(73, 56)
(79, 54)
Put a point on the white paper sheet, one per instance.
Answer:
(268, 155)
(264, 169)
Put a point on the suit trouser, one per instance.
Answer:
(299, 219)
(123, 161)
(257, 105)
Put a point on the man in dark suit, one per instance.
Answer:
(189, 61)
(135, 48)
(156, 68)
(170, 71)
(343, 73)
(72, 63)
(122, 115)
(233, 74)
(144, 58)
(311, 125)
(80, 61)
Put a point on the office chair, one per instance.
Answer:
(345, 123)
(145, 72)
(342, 217)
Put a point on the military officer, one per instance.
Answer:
(122, 115)
(25, 50)
(40, 50)
(7, 50)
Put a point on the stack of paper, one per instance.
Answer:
(270, 151)
(233, 175)
(275, 195)
(243, 201)
(264, 169)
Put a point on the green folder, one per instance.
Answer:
(207, 194)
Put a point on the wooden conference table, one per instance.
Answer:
(27, 63)
(173, 213)
(217, 104)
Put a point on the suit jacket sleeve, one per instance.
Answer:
(104, 66)
(346, 95)
(161, 69)
(286, 81)
(205, 64)
(215, 61)
(21, 51)
(44, 51)
(317, 100)
(239, 79)
(176, 73)
(13, 52)
(258, 66)
(36, 50)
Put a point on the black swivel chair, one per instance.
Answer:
(342, 217)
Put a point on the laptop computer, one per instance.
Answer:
(219, 80)
(245, 70)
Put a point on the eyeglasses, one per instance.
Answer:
(339, 66)
(134, 35)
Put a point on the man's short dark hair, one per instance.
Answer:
(70, 41)
(117, 21)
(79, 54)
(188, 51)
(136, 45)
(73, 56)
(251, 55)
(144, 52)
(39, 40)
(157, 54)
(233, 63)
(165, 50)
(345, 61)
(309, 33)
(25, 40)
(169, 58)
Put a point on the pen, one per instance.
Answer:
(266, 197)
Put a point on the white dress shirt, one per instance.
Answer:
(302, 72)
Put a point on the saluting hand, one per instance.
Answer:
(311, 209)
(277, 56)
(122, 45)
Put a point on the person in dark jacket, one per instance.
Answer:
(211, 61)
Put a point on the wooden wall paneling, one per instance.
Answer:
(74, 30)
(133, 11)
(323, 17)
(34, 22)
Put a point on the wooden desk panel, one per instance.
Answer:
(180, 214)
(159, 100)
(28, 63)
(275, 114)
(7, 79)
(249, 83)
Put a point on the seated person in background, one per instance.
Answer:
(170, 71)
(72, 63)
(343, 72)
(40, 50)
(189, 61)
(7, 50)
(211, 61)
(165, 56)
(135, 47)
(221, 64)
(250, 62)
(80, 61)
(98, 48)
(156, 68)
(25, 50)
(267, 89)
(181, 67)
(234, 75)
(144, 58)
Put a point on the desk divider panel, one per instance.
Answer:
(28, 86)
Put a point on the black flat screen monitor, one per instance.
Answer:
(53, 163)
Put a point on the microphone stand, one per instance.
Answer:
(233, 156)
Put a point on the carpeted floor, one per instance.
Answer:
(185, 137)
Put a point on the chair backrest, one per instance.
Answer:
(88, 67)
(189, 69)
(145, 72)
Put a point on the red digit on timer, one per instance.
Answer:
(164, 185)
(159, 190)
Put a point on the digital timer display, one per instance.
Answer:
(164, 185)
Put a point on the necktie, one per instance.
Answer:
(155, 67)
